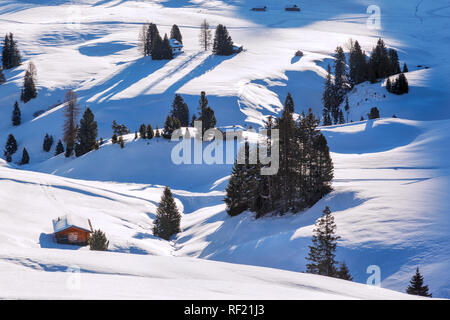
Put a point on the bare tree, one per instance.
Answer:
(205, 35)
(71, 113)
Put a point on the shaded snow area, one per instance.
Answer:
(391, 181)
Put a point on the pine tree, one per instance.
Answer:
(10, 147)
(48, 142)
(344, 272)
(206, 113)
(16, 115)
(157, 51)
(388, 85)
(87, 133)
(176, 34)
(147, 36)
(167, 52)
(374, 113)
(143, 131)
(150, 134)
(119, 129)
(341, 83)
(98, 241)
(71, 113)
(379, 61)
(341, 117)
(180, 110)
(321, 255)
(328, 98)
(167, 222)
(347, 107)
(357, 65)
(29, 90)
(222, 45)
(59, 148)
(405, 68)
(10, 54)
(417, 287)
(25, 157)
(114, 138)
(289, 103)
(205, 36)
(394, 63)
(169, 127)
(2, 76)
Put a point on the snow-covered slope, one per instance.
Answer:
(391, 178)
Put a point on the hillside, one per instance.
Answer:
(391, 174)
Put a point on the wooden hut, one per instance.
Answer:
(70, 229)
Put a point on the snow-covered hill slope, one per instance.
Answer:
(391, 178)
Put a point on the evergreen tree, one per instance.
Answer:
(25, 157)
(399, 85)
(222, 45)
(114, 138)
(167, 53)
(2, 76)
(157, 133)
(346, 107)
(394, 63)
(98, 241)
(357, 65)
(71, 113)
(16, 115)
(379, 61)
(121, 142)
(207, 116)
(180, 110)
(321, 255)
(176, 34)
(48, 142)
(87, 133)
(417, 287)
(157, 51)
(150, 134)
(167, 222)
(344, 272)
(341, 83)
(289, 103)
(149, 33)
(119, 129)
(59, 148)
(388, 85)
(143, 131)
(328, 98)
(341, 117)
(29, 90)
(205, 36)
(10, 147)
(405, 68)
(374, 113)
(169, 127)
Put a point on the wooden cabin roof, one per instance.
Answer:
(68, 221)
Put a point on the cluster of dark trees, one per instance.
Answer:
(304, 175)
(151, 43)
(322, 252)
(179, 115)
(167, 222)
(382, 63)
(11, 56)
(398, 86)
(146, 131)
(11, 148)
(118, 131)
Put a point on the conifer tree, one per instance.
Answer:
(180, 110)
(87, 133)
(357, 65)
(405, 68)
(2, 76)
(169, 127)
(206, 114)
(16, 115)
(167, 222)
(176, 34)
(157, 51)
(114, 138)
(379, 61)
(205, 36)
(321, 255)
(328, 98)
(98, 241)
(289, 103)
(149, 33)
(48, 142)
(10, 54)
(223, 45)
(71, 113)
(394, 63)
(143, 131)
(344, 272)
(374, 113)
(25, 157)
(29, 90)
(59, 148)
(167, 52)
(388, 85)
(150, 134)
(346, 107)
(10, 147)
(341, 83)
(417, 287)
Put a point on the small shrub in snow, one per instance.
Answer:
(374, 113)
(98, 241)
(299, 53)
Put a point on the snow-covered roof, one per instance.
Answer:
(174, 43)
(68, 221)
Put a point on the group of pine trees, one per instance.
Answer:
(382, 63)
(151, 43)
(304, 175)
(11, 56)
(11, 148)
(119, 130)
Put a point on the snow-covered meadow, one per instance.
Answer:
(390, 197)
